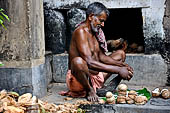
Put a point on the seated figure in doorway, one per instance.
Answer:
(89, 66)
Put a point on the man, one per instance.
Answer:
(89, 67)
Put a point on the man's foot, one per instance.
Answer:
(92, 96)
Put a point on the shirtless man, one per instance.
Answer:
(87, 57)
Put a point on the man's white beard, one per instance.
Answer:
(94, 29)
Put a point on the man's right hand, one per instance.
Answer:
(125, 73)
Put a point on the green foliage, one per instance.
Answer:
(144, 92)
(1, 64)
(79, 110)
(3, 17)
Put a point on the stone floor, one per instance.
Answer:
(154, 105)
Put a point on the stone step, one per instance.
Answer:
(148, 69)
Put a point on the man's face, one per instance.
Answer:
(98, 21)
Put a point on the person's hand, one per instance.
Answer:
(128, 67)
(125, 73)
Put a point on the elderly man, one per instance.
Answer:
(89, 66)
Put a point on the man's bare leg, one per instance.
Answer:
(80, 71)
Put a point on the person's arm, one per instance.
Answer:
(84, 50)
(108, 60)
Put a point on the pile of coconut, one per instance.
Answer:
(11, 102)
(124, 97)
(164, 93)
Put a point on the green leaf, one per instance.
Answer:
(4, 26)
(1, 64)
(144, 92)
(5, 16)
(104, 98)
(14, 93)
(1, 9)
(79, 110)
(2, 18)
(43, 110)
(1, 21)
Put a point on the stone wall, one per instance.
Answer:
(166, 50)
(152, 15)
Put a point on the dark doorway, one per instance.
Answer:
(127, 24)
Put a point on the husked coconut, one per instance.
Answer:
(122, 87)
(122, 93)
(132, 94)
(129, 100)
(165, 93)
(110, 100)
(121, 99)
(140, 100)
(109, 94)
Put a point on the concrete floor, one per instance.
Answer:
(154, 105)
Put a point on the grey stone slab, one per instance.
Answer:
(129, 108)
(60, 67)
(39, 81)
(48, 68)
(167, 11)
(148, 69)
(23, 80)
(154, 105)
(65, 4)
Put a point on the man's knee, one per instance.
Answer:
(78, 63)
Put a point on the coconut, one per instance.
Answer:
(109, 94)
(165, 93)
(129, 100)
(110, 100)
(156, 92)
(122, 93)
(122, 87)
(140, 100)
(132, 92)
(121, 99)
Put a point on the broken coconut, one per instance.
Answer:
(156, 92)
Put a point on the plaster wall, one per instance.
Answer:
(22, 44)
(22, 47)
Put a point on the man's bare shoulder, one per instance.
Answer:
(80, 32)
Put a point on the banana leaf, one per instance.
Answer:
(144, 92)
